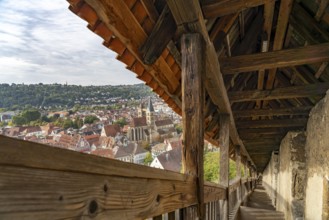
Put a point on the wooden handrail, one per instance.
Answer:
(67, 184)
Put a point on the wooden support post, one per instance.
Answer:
(238, 169)
(193, 66)
(245, 159)
(224, 142)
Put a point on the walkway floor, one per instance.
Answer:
(259, 206)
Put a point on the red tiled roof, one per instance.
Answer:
(111, 130)
(138, 122)
(163, 122)
(92, 138)
(103, 152)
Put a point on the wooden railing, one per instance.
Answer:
(42, 182)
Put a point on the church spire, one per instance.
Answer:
(150, 105)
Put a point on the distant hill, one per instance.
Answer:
(50, 95)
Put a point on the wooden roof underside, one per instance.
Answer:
(266, 60)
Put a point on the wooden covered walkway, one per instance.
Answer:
(259, 206)
(241, 73)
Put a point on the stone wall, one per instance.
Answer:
(292, 173)
(270, 176)
(317, 162)
(302, 187)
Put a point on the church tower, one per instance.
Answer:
(150, 113)
(140, 110)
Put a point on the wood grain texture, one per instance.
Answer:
(189, 17)
(221, 8)
(224, 139)
(30, 193)
(162, 33)
(39, 181)
(280, 93)
(303, 110)
(275, 59)
(193, 94)
(283, 20)
(274, 123)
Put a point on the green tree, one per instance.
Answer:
(68, 123)
(179, 128)
(148, 159)
(31, 115)
(211, 167)
(19, 120)
(122, 122)
(78, 123)
(90, 119)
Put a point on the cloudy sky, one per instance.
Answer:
(42, 41)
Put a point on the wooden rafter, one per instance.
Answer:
(266, 39)
(162, 33)
(221, 8)
(280, 93)
(189, 17)
(322, 7)
(321, 70)
(303, 110)
(283, 19)
(274, 123)
(221, 28)
(311, 30)
(276, 59)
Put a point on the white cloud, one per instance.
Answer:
(42, 41)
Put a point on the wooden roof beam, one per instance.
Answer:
(266, 39)
(221, 8)
(321, 70)
(283, 19)
(189, 17)
(274, 123)
(276, 59)
(163, 31)
(311, 28)
(280, 93)
(221, 28)
(322, 7)
(303, 110)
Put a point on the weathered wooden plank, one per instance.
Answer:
(274, 123)
(305, 19)
(189, 17)
(162, 33)
(221, 8)
(193, 94)
(22, 153)
(266, 39)
(283, 19)
(214, 192)
(322, 7)
(275, 59)
(221, 28)
(303, 110)
(280, 93)
(234, 185)
(238, 161)
(53, 178)
(262, 131)
(321, 70)
(224, 139)
(30, 193)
